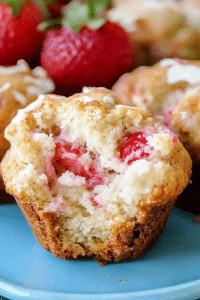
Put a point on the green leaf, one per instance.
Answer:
(16, 5)
(101, 5)
(50, 24)
(42, 5)
(96, 23)
(91, 12)
(75, 15)
(48, 1)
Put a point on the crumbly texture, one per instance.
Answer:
(166, 28)
(101, 204)
(170, 90)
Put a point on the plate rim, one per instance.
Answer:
(187, 289)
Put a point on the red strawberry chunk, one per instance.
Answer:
(94, 203)
(135, 147)
(168, 118)
(68, 158)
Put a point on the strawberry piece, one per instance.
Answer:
(18, 34)
(94, 203)
(135, 146)
(168, 118)
(87, 58)
(67, 158)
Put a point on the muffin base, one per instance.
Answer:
(129, 240)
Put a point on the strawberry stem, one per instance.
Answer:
(91, 13)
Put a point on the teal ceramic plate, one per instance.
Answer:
(171, 270)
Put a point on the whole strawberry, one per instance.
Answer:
(86, 51)
(19, 37)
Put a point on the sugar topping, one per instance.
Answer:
(86, 89)
(87, 99)
(109, 100)
(21, 115)
(21, 66)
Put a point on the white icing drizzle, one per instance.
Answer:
(121, 105)
(31, 89)
(57, 97)
(21, 115)
(21, 66)
(86, 89)
(40, 72)
(45, 85)
(19, 97)
(5, 87)
(188, 73)
(167, 62)
(87, 99)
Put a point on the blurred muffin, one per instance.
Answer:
(19, 86)
(165, 28)
(93, 178)
(170, 90)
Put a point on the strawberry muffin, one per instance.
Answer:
(19, 86)
(93, 178)
(170, 90)
(165, 28)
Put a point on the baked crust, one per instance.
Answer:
(129, 240)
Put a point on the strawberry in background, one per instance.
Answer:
(84, 49)
(19, 37)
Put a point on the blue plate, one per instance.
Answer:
(171, 270)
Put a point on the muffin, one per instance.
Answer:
(165, 28)
(19, 86)
(170, 90)
(93, 178)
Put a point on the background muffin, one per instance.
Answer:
(19, 86)
(161, 28)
